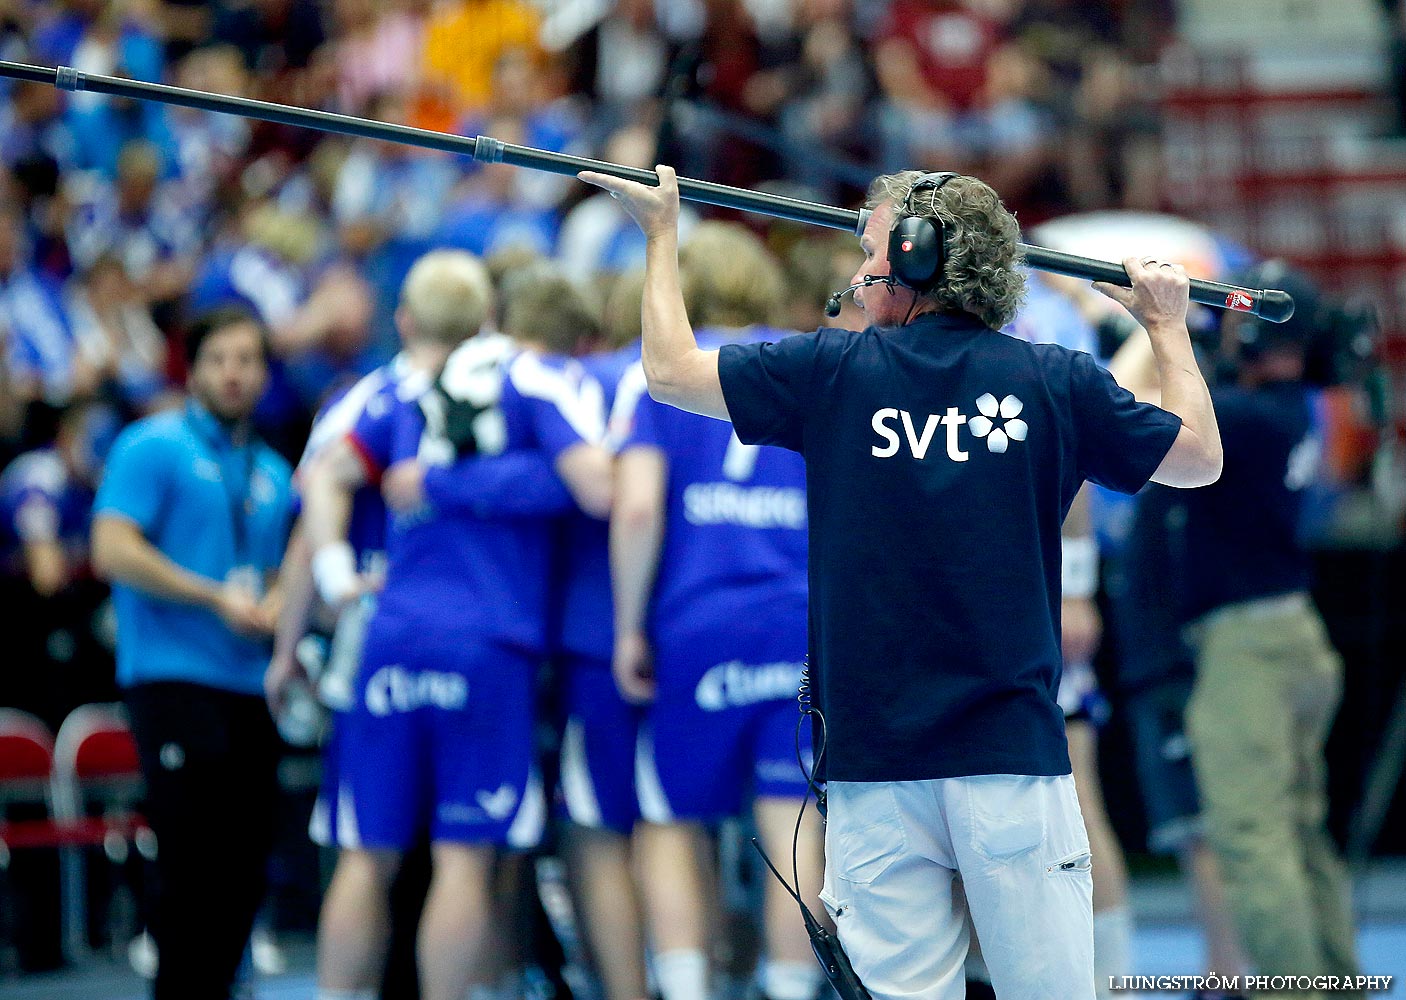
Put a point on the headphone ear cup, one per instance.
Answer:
(917, 251)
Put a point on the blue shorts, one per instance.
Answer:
(723, 727)
(439, 743)
(598, 748)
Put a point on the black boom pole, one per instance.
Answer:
(1270, 304)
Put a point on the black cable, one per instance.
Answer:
(826, 946)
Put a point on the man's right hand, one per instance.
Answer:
(241, 611)
(633, 665)
(1159, 295)
(283, 671)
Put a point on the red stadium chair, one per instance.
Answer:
(26, 764)
(95, 765)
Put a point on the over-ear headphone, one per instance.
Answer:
(918, 243)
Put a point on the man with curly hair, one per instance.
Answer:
(941, 459)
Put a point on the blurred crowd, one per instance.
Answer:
(122, 222)
(122, 219)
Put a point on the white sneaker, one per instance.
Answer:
(142, 955)
(269, 959)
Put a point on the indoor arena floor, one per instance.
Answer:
(1166, 944)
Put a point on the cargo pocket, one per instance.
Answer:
(1078, 863)
(869, 833)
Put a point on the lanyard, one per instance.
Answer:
(236, 493)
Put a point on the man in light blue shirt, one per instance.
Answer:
(190, 521)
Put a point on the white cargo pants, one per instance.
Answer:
(905, 861)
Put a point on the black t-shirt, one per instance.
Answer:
(941, 459)
(1242, 532)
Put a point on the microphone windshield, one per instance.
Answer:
(832, 306)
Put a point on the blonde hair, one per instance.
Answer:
(541, 304)
(983, 243)
(294, 236)
(622, 317)
(447, 296)
(730, 278)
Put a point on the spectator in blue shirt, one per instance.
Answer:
(32, 124)
(142, 221)
(112, 42)
(492, 214)
(57, 660)
(190, 521)
(42, 350)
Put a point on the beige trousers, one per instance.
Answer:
(1268, 684)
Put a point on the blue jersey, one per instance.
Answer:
(735, 518)
(484, 577)
(583, 566)
(366, 529)
(42, 501)
(941, 459)
(214, 508)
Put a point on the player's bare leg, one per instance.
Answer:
(1223, 951)
(676, 887)
(789, 970)
(454, 930)
(602, 882)
(353, 929)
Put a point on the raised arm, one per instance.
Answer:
(515, 484)
(329, 481)
(1158, 300)
(679, 373)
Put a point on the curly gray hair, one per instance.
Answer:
(983, 241)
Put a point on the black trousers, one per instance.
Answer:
(210, 760)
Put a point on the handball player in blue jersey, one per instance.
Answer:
(546, 311)
(941, 458)
(439, 740)
(708, 558)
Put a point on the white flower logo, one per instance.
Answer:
(1012, 429)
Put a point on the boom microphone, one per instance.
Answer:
(1268, 303)
(832, 304)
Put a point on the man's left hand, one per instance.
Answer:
(654, 209)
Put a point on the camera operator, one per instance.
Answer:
(1268, 681)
